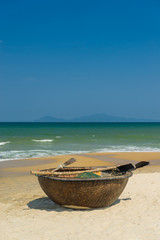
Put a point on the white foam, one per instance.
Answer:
(42, 140)
(58, 136)
(37, 153)
(3, 143)
(18, 155)
(127, 149)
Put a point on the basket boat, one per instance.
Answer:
(69, 191)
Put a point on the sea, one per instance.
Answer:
(30, 140)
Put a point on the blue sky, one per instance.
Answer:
(74, 58)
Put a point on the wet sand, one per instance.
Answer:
(27, 213)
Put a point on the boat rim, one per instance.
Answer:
(73, 179)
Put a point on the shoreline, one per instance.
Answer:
(83, 159)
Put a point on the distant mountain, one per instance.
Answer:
(50, 119)
(99, 118)
(107, 118)
(94, 118)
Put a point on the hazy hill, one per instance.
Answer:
(94, 118)
(50, 119)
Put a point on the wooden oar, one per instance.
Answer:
(121, 168)
(130, 167)
(72, 172)
(141, 164)
(68, 162)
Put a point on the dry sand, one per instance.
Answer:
(27, 213)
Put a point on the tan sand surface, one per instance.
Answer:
(27, 213)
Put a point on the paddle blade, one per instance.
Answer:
(70, 161)
(126, 167)
(141, 164)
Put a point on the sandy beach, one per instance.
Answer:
(27, 213)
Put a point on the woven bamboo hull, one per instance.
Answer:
(90, 193)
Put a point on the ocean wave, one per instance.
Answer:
(19, 155)
(3, 143)
(42, 140)
(58, 136)
(127, 149)
(37, 153)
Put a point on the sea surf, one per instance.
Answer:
(30, 140)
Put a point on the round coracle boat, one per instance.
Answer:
(71, 191)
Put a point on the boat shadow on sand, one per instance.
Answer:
(46, 204)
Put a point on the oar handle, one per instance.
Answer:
(68, 162)
(50, 173)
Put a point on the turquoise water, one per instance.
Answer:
(25, 140)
